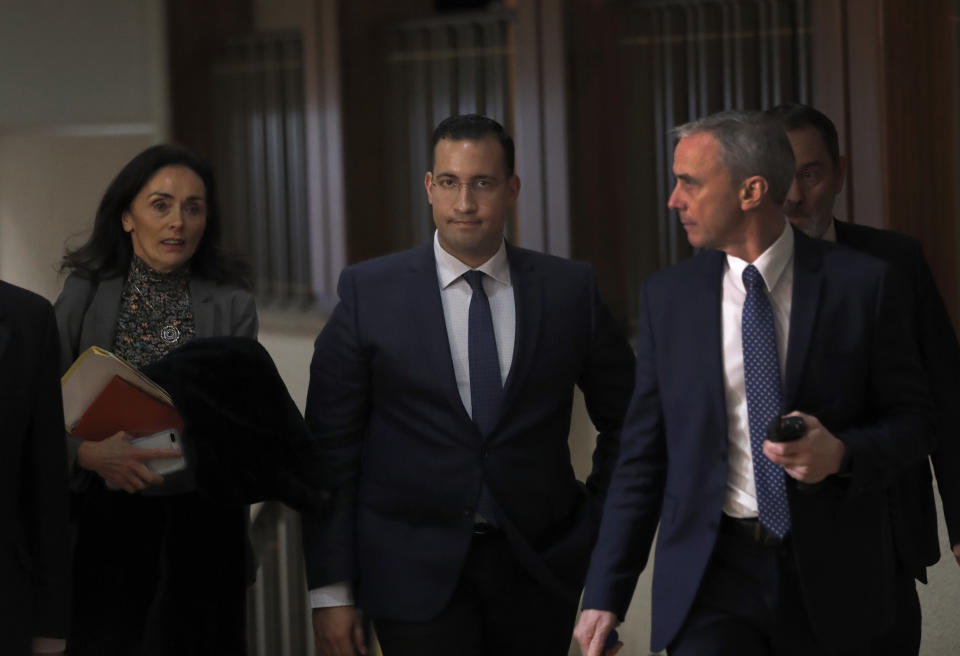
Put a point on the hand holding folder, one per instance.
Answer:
(110, 402)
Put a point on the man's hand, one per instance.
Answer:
(338, 631)
(956, 552)
(592, 630)
(120, 463)
(813, 457)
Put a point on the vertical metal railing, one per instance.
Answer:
(684, 59)
(261, 162)
(438, 66)
(278, 612)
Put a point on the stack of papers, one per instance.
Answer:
(104, 394)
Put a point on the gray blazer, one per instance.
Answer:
(84, 321)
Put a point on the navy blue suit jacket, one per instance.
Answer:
(849, 363)
(407, 461)
(914, 509)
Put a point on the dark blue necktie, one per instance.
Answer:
(486, 389)
(761, 373)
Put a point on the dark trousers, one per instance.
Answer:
(158, 576)
(904, 638)
(496, 608)
(749, 603)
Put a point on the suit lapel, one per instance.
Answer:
(423, 296)
(807, 284)
(706, 313)
(528, 298)
(100, 320)
(201, 301)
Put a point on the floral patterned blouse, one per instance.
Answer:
(156, 315)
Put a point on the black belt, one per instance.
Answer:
(749, 529)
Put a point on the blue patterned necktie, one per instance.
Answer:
(761, 372)
(486, 388)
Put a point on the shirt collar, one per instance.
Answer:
(449, 268)
(771, 263)
(830, 234)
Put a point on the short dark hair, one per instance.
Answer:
(796, 117)
(472, 127)
(751, 143)
(108, 250)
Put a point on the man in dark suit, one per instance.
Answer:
(764, 547)
(441, 389)
(34, 562)
(820, 173)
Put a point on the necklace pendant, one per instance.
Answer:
(170, 334)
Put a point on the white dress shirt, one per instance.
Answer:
(830, 234)
(455, 296)
(776, 266)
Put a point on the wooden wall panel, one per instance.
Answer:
(196, 30)
(886, 72)
(920, 124)
(368, 139)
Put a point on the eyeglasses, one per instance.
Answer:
(481, 186)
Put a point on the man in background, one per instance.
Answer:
(820, 175)
(34, 557)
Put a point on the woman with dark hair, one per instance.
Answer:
(151, 277)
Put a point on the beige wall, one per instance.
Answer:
(91, 62)
(50, 185)
(84, 89)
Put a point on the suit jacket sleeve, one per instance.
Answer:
(69, 310)
(45, 492)
(632, 508)
(940, 354)
(338, 402)
(606, 382)
(243, 315)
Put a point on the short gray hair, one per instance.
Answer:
(751, 143)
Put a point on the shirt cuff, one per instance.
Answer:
(49, 645)
(335, 594)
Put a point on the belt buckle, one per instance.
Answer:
(484, 528)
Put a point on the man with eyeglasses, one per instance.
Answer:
(441, 389)
(809, 204)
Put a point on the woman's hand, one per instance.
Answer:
(120, 463)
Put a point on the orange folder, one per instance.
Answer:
(123, 406)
